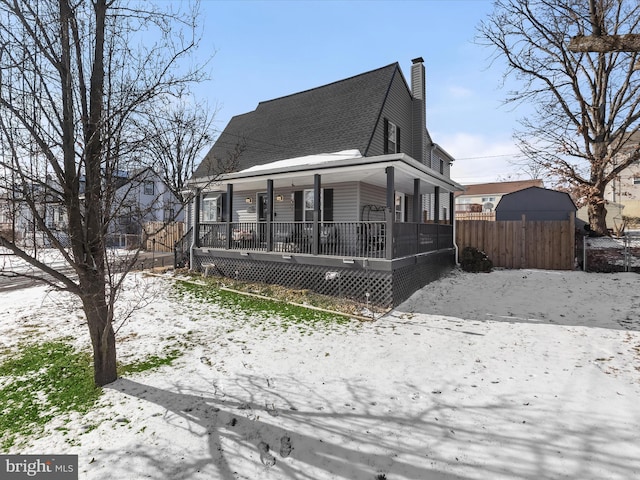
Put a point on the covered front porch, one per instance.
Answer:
(375, 223)
(360, 239)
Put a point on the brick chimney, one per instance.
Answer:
(419, 130)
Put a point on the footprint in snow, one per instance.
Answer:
(265, 457)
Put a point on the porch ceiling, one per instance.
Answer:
(369, 170)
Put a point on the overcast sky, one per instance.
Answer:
(268, 49)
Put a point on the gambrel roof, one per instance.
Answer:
(331, 118)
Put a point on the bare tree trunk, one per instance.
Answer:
(103, 338)
(72, 98)
(597, 214)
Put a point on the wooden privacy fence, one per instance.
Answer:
(521, 244)
(165, 235)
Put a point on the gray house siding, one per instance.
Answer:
(396, 109)
(435, 164)
(350, 202)
(444, 206)
(371, 195)
(345, 202)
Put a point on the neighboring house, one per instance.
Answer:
(623, 193)
(141, 197)
(16, 219)
(483, 197)
(331, 190)
(535, 204)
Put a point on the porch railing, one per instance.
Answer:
(343, 239)
(414, 238)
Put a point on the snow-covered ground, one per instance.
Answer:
(518, 374)
(12, 264)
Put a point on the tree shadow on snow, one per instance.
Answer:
(360, 439)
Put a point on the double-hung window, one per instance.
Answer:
(304, 205)
(211, 209)
(391, 137)
(400, 206)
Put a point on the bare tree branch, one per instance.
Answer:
(76, 80)
(587, 106)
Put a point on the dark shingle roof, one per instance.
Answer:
(331, 118)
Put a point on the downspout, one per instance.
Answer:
(452, 211)
(196, 226)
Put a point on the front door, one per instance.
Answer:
(262, 207)
(262, 213)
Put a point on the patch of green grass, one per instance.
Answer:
(260, 307)
(149, 363)
(42, 382)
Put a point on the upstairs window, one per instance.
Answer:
(391, 137)
(636, 180)
(149, 187)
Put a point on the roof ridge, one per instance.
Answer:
(505, 182)
(394, 64)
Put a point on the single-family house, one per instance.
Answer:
(338, 189)
(141, 197)
(622, 195)
(483, 197)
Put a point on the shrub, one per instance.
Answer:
(473, 260)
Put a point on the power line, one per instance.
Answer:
(491, 156)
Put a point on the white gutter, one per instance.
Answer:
(455, 245)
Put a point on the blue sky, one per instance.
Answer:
(268, 49)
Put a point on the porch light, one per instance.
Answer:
(348, 260)
(279, 198)
(248, 200)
